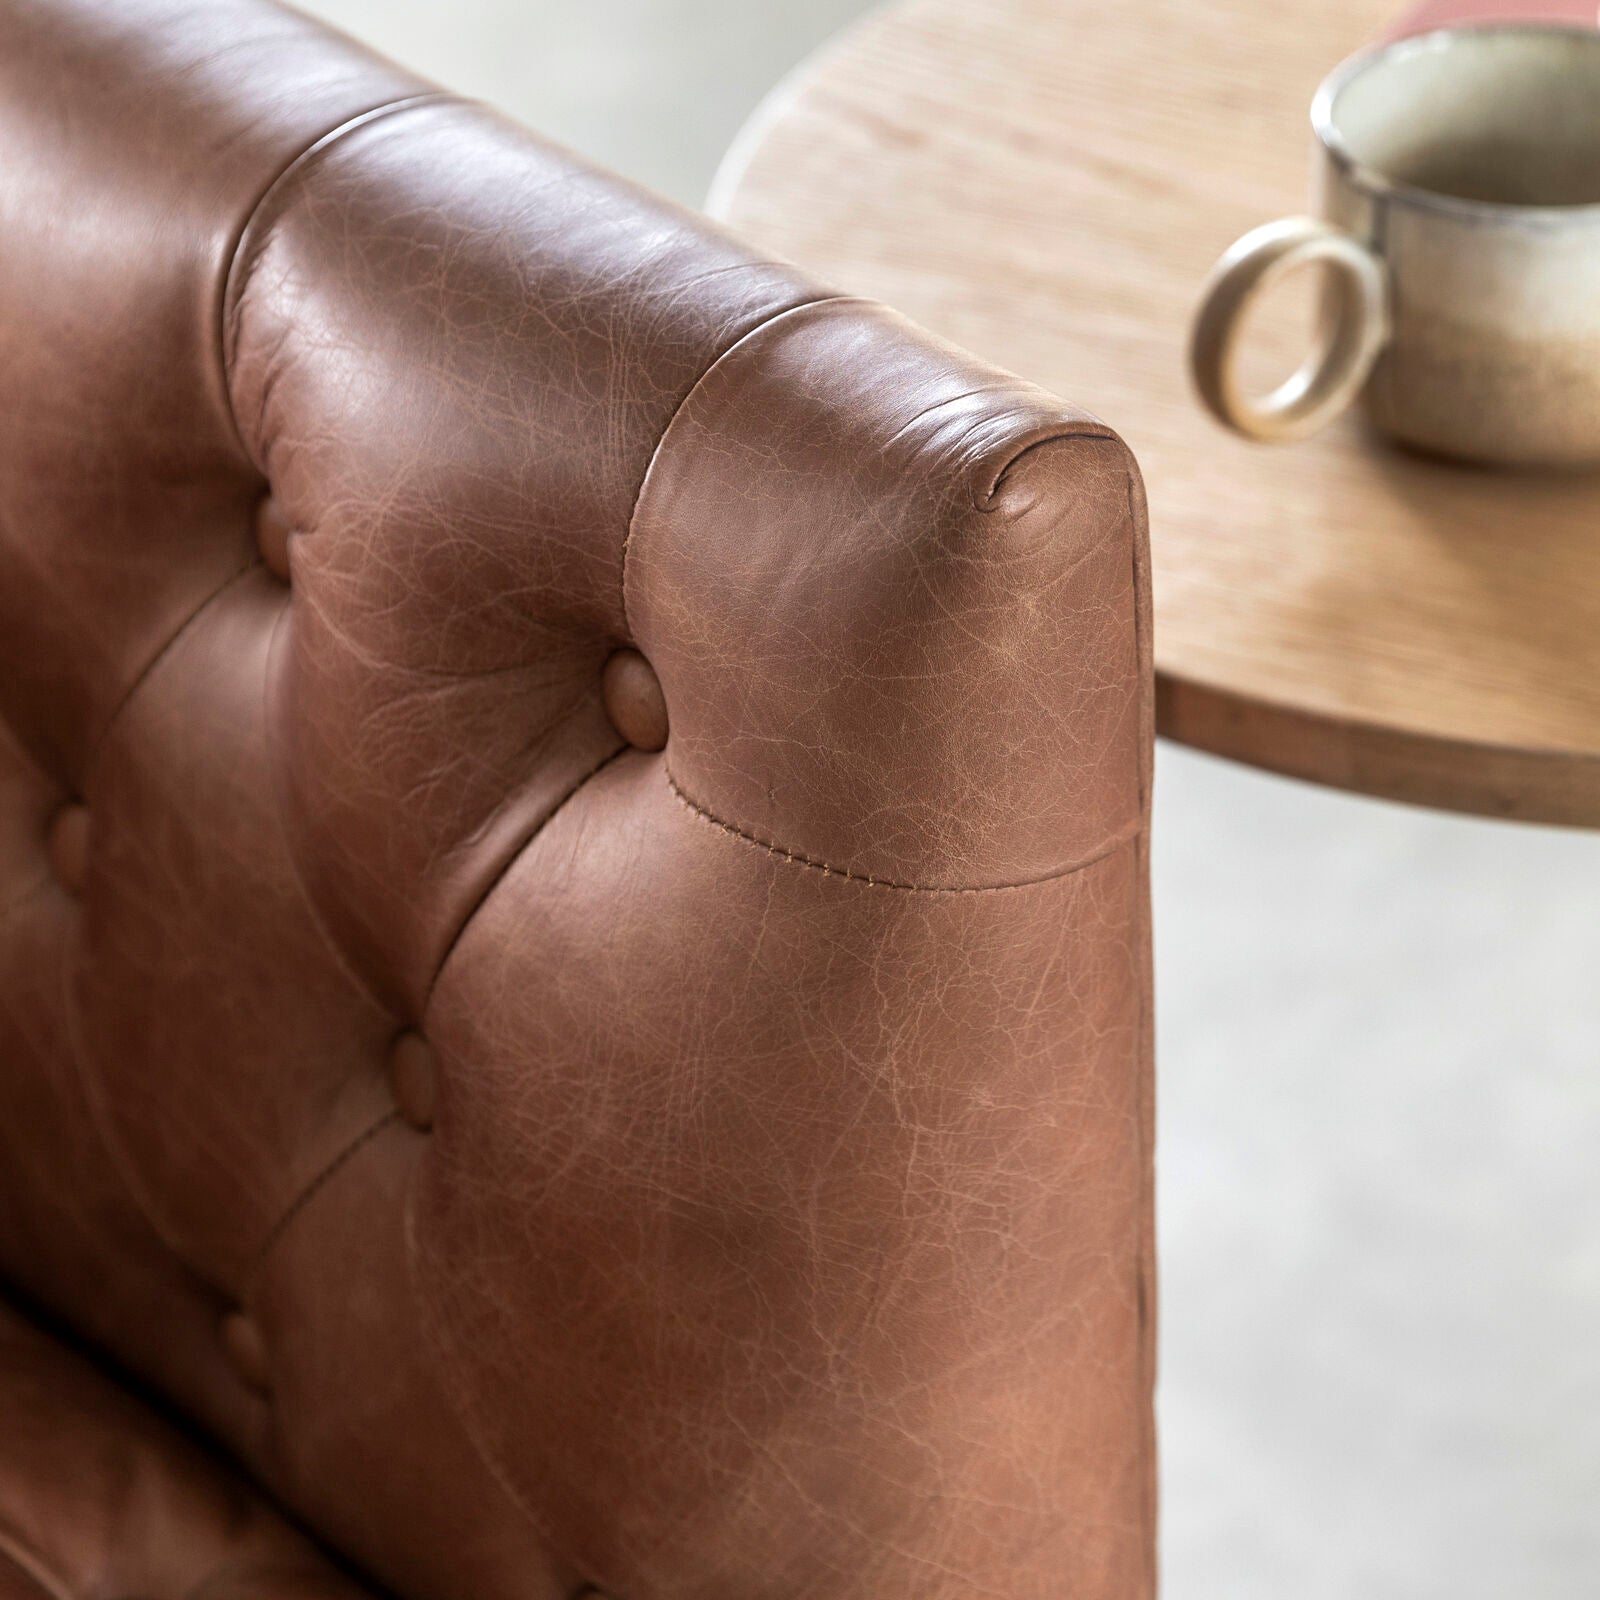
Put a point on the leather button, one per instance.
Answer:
(246, 1349)
(633, 700)
(68, 847)
(413, 1080)
(272, 537)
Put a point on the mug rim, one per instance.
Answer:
(1378, 183)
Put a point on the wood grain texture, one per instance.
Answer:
(1048, 182)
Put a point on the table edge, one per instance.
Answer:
(1464, 776)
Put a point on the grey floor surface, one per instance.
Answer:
(1379, 1040)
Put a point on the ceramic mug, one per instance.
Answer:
(1459, 186)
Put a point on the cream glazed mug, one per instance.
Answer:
(1458, 179)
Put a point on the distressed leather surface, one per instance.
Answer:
(99, 1495)
(573, 908)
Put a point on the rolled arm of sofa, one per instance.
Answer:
(593, 982)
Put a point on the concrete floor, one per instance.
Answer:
(1379, 1037)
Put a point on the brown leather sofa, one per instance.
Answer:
(574, 994)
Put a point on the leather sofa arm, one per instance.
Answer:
(573, 894)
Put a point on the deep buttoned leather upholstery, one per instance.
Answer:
(573, 916)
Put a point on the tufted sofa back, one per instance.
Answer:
(573, 916)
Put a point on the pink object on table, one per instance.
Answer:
(1451, 13)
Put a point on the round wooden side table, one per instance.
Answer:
(1048, 183)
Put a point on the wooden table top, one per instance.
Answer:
(1048, 182)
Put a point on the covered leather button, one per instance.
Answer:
(413, 1080)
(633, 700)
(272, 537)
(68, 847)
(245, 1348)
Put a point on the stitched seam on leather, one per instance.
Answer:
(1118, 841)
(315, 1187)
(155, 661)
(510, 862)
(678, 410)
(236, 248)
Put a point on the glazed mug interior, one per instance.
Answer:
(1459, 234)
(1493, 116)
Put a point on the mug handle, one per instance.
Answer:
(1355, 329)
